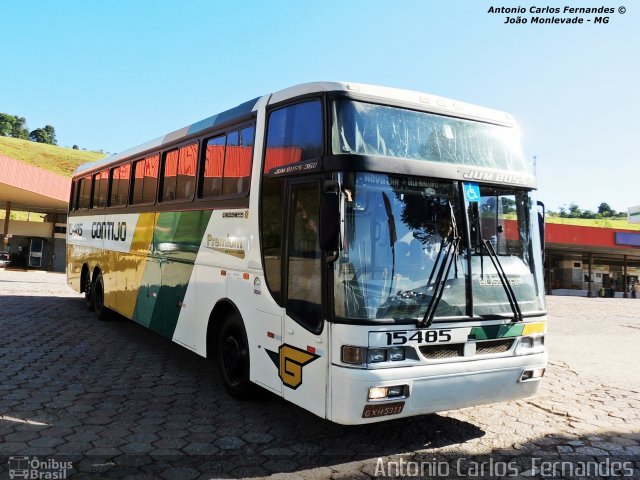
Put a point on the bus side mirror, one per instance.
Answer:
(541, 220)
(330, 217)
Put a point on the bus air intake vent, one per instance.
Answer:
(495, 346)
(438, 352)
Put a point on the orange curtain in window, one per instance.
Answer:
(140, 168)
(279, 156)
(214, 161)
(151, 165)
(187, 160)
(125, 171)
(238, 162)
(171, 164)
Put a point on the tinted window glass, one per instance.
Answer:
(145, 176)
(186, 181)
(179, 173)
(271, 215)
(237, 166)
(169, 176)
(151, 169)
(304, 297)
(119, 185)
(213, 164)
(294, 134)
(138, 182)
(84, 196)
(100, 184)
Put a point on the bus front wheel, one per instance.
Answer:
(233, 357)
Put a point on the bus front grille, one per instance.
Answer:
(440, 352)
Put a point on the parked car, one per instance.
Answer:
(18, 260)
(5, 259)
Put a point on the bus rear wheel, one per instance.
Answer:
(233, 358)
(97, 294)
(88, 289)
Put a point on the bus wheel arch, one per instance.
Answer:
(227, 343)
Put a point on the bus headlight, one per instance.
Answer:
(396, 354)
(353, 355)
(376, 355)
(363, 356)
(529, 345)
(384, 393)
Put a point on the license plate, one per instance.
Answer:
(371, 411)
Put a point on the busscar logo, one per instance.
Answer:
(494, 177)
(290, 361)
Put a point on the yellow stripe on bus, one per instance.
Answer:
(531, 328)
(132, 266)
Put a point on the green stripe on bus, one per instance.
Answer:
(496, 331)
(176, 241)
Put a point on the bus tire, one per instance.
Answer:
(233, 357)
(97, 294)
(87, 286)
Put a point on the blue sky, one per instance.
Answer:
(111, 75)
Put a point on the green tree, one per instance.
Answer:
(51, 132)
(6, 124)
(40, 135)
(572, 211)
(19, 129)
(606, 211)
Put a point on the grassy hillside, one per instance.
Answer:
(603, 223)
(62, 161)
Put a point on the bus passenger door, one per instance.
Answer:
(303, 355)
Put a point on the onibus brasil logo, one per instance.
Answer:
(34, 468)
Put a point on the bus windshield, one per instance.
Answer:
(368, 129)
(404, 236)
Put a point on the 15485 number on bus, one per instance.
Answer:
(419, 336)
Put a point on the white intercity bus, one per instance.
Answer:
(367, 253)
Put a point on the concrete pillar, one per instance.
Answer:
(624, 278)
(5, 231)
(589, 292)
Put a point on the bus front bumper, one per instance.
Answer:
(430, 388)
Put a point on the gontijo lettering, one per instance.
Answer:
(109, 230)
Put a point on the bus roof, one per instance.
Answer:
(412, 99)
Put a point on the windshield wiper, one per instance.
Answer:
(448, 259)
(482, 244)
(511, 296)
(440, 282)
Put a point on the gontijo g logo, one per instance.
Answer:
(290, 361)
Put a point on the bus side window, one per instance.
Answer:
(145, 180)
(179, 173)
(100, 184)
(237, 165)
(84, 193)
(294, 134)
(119, 185)
(213, 165)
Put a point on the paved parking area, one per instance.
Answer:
(113, 400)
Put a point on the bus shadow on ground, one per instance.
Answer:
(119, 399)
